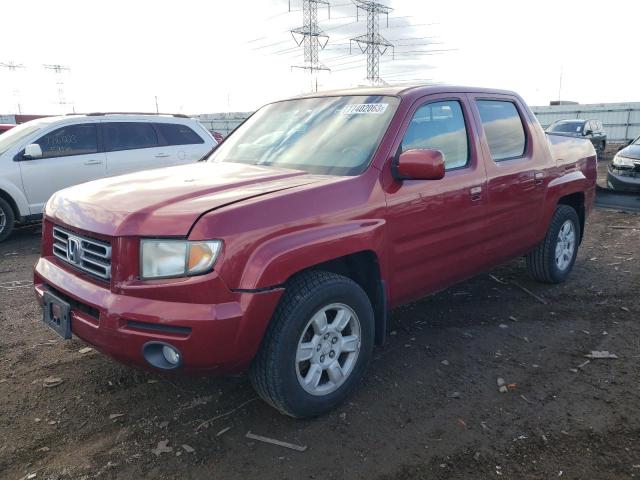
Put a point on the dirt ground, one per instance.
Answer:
(429, 409)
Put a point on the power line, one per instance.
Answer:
(372, 43)
(14, 67)
(311, 36)
(59, 70)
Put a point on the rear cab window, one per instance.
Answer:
(440, 125)
(503, 129)
(70, 140)
(176, 134)
(128, 136)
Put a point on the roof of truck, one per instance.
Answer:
(401, 90)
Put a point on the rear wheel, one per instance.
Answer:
(317, 346)
(553, 258)
(7, 219)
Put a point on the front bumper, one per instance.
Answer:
(624, 180)
(220, 337)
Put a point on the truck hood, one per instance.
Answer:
(632, 151)
(167, 201)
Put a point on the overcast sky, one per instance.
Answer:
(213, 56)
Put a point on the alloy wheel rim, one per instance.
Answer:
(328, 349)
(566, 245)
(3, 220)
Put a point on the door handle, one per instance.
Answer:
(163, 155)
(539, 178)
(93, 162)
(475, 193)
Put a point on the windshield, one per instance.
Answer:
(567, 127)
(11, 137)
(636, 141)
(326, 135)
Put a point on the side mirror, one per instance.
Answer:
(420, 165)
(32, 151)
(588, 132)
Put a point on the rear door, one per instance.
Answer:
(517, 173)
(181, 143)
(131, 147)
(437, 227)
(70, 155)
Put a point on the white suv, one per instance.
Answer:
(43, 156)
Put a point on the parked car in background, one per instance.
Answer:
(624, 171)
(590, 129)
(39, 157)
(218, 136)
(5, 127)
(285, 249)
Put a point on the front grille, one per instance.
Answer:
(89, 255)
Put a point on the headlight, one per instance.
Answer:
(177, 258)
(619, 161)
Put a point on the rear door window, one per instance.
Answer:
(439, 126)
(71, 140)
(128, 136)
(503, 128)
(176, 134)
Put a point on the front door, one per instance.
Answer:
(437, 227)
(70, 155)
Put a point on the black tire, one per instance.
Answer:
(6, 214)
(274, 373)
(542, 262)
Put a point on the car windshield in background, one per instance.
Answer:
(10, 137)
(323, 135)
(566, 127)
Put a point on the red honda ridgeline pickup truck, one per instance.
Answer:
(284, 250)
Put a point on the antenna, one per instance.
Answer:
(372, 43)
(311, 37)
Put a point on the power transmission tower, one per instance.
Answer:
(59, 70)
(311, 36)
(372, 43)
(14, 67)
(11, 66)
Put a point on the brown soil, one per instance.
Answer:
(429, 408)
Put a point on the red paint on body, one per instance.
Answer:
(424, 234)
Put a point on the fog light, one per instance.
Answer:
(171, 355)
(162, 355)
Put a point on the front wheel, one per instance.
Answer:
(7, 219)
(317, 345)
(553, 258)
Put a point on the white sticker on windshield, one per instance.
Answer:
(365, 108)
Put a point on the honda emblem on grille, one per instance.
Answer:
(73, 249)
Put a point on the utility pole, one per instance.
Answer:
(59, 70)
(157, 110)
(14, 67)
(372, 43)
(311, 36)
(560, 84)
